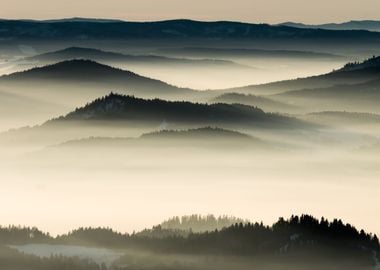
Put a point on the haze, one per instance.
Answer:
(124, 125)
(268, 11)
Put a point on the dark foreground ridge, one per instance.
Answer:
(295, 240)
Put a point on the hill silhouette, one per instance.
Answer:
(209, 135)
(120, 107)
(90, 74)
(198, 133)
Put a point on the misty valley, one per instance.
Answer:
(189, 145)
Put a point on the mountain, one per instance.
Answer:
(79, 74)
(265, 103)
(351, 25)
(351, 73)
(82, 29)
(107, 57)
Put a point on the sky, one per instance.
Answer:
(267, 11)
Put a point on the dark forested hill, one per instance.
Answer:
(299, 240)
(119, 107)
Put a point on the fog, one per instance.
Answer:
(89, 173)
(132, 185)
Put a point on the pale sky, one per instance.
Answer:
(268, 11)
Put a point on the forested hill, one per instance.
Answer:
(296, 234)
(126, 108)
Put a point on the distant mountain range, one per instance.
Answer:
(351, 25)
(89, 29)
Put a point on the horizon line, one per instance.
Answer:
(110, 20)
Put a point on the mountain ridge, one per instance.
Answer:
(166, 29)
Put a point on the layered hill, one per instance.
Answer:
(361, 97)
(119, 107)
(86, 76)
(206, 138)
(265, 103)
(351, 73)
(118, 115)
(369, 25)
(237, 53)
(108, 57)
